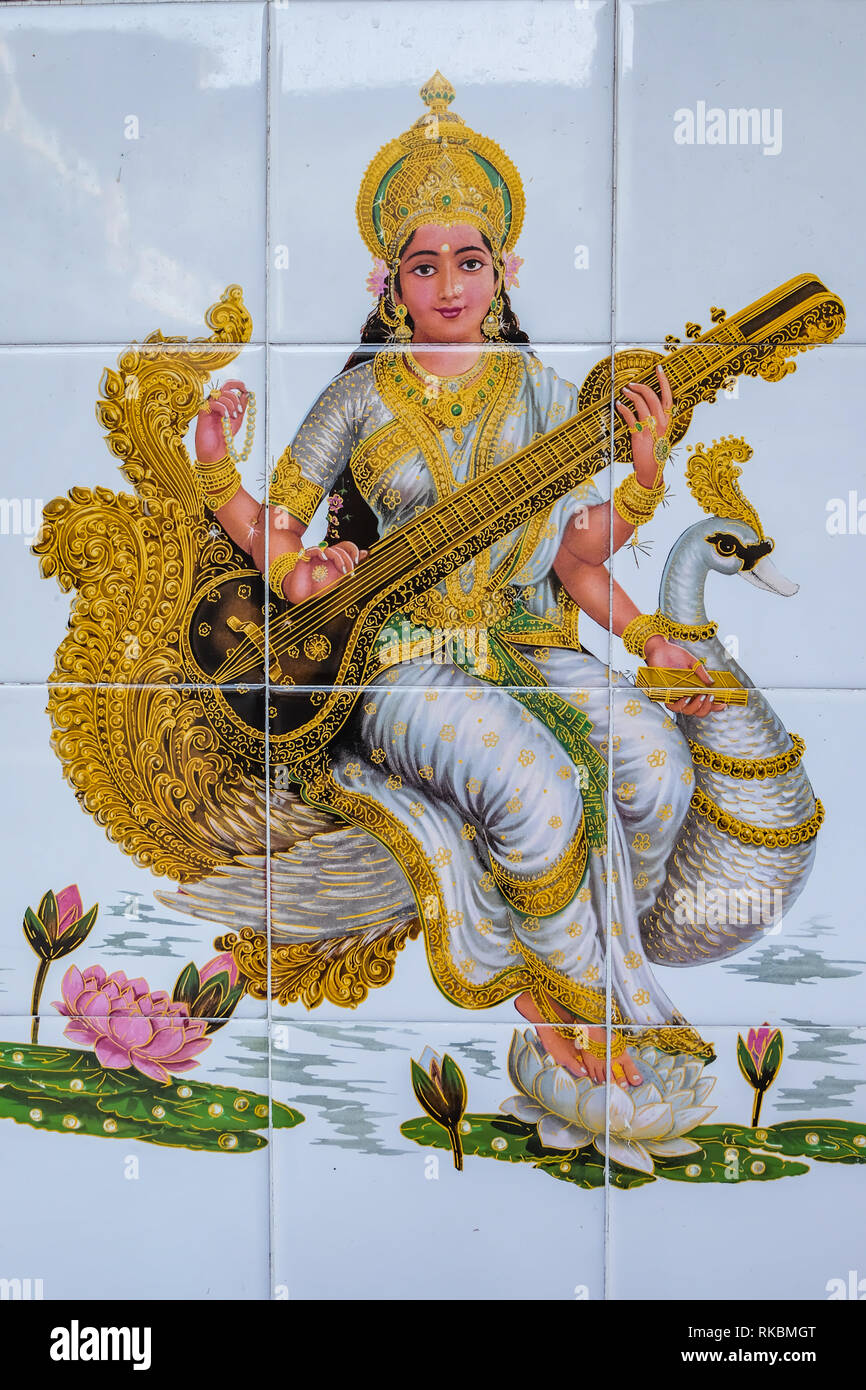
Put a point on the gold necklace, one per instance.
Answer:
(449, 402)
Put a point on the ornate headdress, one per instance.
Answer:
(439, 171)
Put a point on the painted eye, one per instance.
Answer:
(726, 545)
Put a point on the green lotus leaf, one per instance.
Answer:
(746, 1063)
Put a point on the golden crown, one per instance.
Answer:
(439, 171)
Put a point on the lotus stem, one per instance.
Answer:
(756, 1108)
(38, 986)
(456, 1146)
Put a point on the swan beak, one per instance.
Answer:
(764, 575)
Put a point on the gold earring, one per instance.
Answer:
(491, 325)
(403, 333)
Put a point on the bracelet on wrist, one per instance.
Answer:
(637, 504)
(647, 625)
(639, 631)
(217, 482)
(282, 566)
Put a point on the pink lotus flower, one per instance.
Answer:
(756, 1042)
(510, 269)
(378, 278)
(127, 1025)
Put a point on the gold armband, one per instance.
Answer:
(291, 490)
(637, 504)
(217, 482)
(283, 566)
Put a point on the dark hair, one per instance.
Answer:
(356, 520)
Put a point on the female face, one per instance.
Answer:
(447, 281)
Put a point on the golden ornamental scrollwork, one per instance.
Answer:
(131, 732)
(712, 473)
(341, 970)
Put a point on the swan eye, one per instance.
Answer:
(726, 545)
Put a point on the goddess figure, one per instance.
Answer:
(486, 763)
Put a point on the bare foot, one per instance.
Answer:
(572, 1053)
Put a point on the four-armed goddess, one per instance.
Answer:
(486, 764)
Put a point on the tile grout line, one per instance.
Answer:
(606, 1260)
(267, 688)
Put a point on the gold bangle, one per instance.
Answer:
(637, 504)
(207, 467)
(686, 632)
(217, 481)
(657, 624)
(618, 1046)
(215, 500)
(279, 569)
(639, 631)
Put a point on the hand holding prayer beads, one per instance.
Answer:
(219, 420)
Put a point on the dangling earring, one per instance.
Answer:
(402, 333)
(491, 325)
(394, 317)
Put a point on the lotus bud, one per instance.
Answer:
(759, 1058)
(59, 924)
(441, 1091)
(212, 992)
(56, 928)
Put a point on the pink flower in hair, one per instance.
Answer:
(378, 278)
(513, 263)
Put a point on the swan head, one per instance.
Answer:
(732, 546)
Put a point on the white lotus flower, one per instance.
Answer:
(646, 1121)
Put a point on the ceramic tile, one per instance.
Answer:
(115, 208)
(799, 487)
(738, 929)
(369, 1176)
(444, 799)
(135, 767)
(101, 540)
(134, 1170)
(779, 1186)
(346, 80)
(744, 105)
